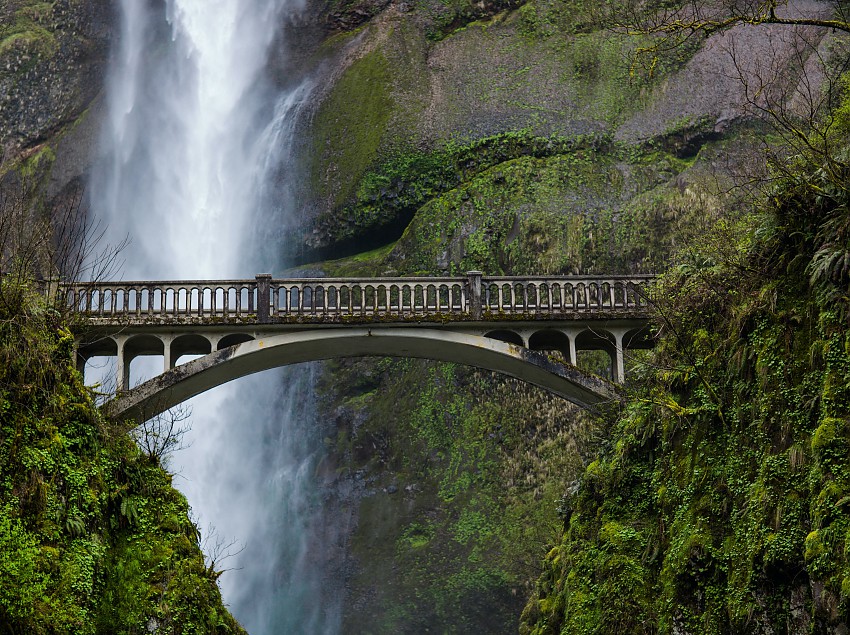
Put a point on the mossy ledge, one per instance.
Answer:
(389, 195)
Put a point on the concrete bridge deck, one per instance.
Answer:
(530, 328)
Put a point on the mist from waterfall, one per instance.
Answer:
(195, 140)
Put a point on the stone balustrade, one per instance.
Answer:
(264, 300)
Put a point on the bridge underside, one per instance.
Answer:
(239, 359)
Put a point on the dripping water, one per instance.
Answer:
(195, 132)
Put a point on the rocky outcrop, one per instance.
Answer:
(401, 95)
(52, 65)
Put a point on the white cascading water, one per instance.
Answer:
(195, 133)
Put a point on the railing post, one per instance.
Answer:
(263, 298)
(474, 286)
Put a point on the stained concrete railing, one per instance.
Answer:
(265, 300)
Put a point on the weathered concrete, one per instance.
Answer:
(195, 377)
(516, 326)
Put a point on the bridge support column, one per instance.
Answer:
(572, 334)
(619, 359)
(168, 358)
(123, 366)
(79, 360)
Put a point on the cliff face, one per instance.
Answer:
(52, 63)
(444, 137)
(512, 142)
(403, 95)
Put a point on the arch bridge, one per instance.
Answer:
(529, 328)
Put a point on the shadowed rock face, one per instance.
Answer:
(712, 91)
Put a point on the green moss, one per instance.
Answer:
(350, 125)
(26, 39)
(475, 485)
(94, 537)
(723, 494)
(367, 263)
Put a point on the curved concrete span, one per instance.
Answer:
(188, 380)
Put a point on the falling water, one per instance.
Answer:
(195, 133)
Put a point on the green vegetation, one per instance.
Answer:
(490, 180)
(357, 112)
(28, 37)
(469, 469)
(93, 537)
(720, 502)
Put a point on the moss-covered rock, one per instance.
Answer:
(458, 472)
(720, 503)
(93, 536)
(52, 64)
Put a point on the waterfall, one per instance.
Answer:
(196, 137)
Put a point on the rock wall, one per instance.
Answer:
(53, 58)
(448, 136)
(512, 142)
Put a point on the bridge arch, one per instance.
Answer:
(507, 336)
(551, 340)
(221, 366)
(232, 340)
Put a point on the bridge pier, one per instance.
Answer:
(168, 357)
(619, 357)
(122, 374)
